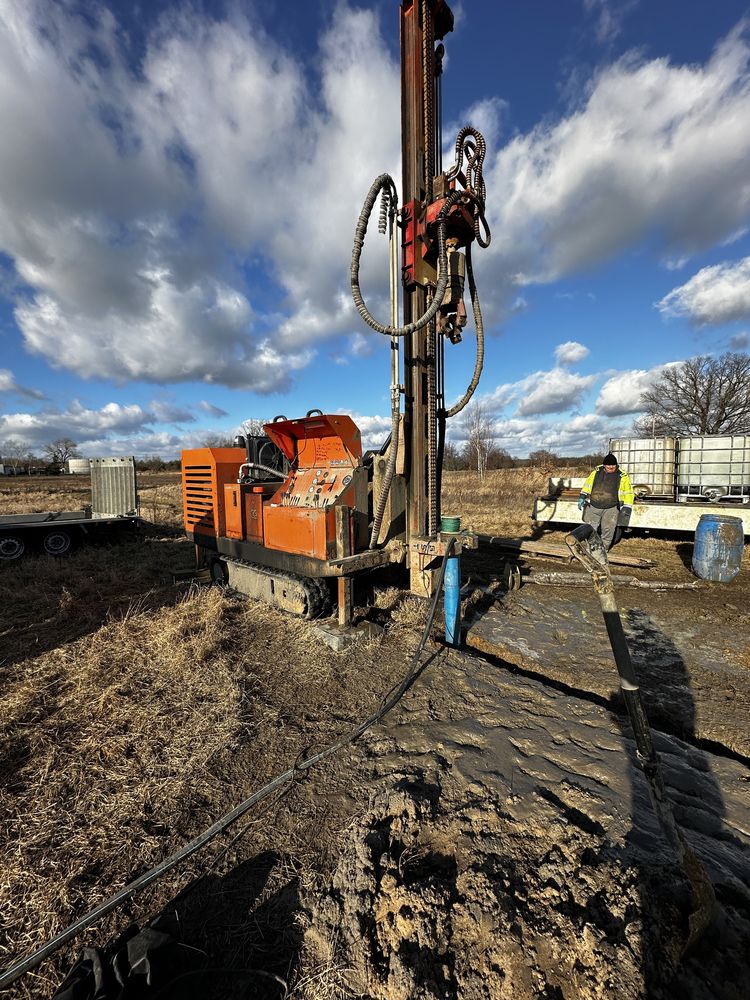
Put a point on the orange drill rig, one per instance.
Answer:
(321, 511)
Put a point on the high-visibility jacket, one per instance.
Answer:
(625, 494)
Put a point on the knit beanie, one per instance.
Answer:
(610, 460)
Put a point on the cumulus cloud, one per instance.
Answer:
(715, 295)
(576, 435)
(373, 428)
(552, 392)
(99, 430)
(205, 158)
(648, 138)
(571, 352)
(214, 159)
(621, 393)
(740, 341)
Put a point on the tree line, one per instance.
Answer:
(703, 395)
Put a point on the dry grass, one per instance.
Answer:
(160, 495)
(501, 503)
(107, 738)
(132, 715)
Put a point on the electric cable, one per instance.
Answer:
(392, 698)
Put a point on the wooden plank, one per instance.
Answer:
(557, 551)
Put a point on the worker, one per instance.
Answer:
(606, 499)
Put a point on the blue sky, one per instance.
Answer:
(179, 195)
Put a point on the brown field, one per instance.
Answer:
(134, 713)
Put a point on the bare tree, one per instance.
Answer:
(253, 427)
(702, 395)
(218, 441)
(480, 442)
(58, 452)
(542, 458)
(13, 453)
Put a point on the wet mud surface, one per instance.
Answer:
(509, 849)
(694, 683)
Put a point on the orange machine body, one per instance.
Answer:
(297, 516)
(325, 453)
(205, 473)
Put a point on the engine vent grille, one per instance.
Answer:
(199, 498)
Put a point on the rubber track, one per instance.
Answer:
(318, 599)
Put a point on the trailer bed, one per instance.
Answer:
(114, 504)
(652, 515)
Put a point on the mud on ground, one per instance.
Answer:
(493, 837)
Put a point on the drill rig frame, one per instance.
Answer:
(280, 537)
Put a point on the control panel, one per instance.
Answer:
(316, 488)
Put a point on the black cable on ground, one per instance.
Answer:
(148, 878)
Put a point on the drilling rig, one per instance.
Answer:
(286, 515)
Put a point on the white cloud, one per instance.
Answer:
(205, 159)
(552, 392)
(216, 157)
(621, 393)
(740, 342)
(582, 434)
(374, 429)
(9, 385)
(487, 115)
(571, 352)
(76, 422)
(214, 411)
(648, 139)
(715, 295)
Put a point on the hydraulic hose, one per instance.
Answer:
(385, 183)
(479, 324)
(264, 468)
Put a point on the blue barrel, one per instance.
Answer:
(717, 552)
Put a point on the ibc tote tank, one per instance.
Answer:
(79, 466)
(717, 552)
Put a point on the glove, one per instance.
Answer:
(582, 501)
(624, 518)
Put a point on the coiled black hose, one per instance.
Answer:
(386, 184)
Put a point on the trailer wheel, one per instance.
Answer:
(57, 543)
(11, 547)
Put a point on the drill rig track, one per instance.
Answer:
(303, 596)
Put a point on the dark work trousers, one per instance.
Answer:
(604, 520)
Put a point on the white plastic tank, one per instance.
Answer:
(650, 463)
(79, 466)
(714, 467)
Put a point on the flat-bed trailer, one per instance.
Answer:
(560, 506)
(114, 506)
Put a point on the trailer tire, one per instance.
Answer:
(57, 543)
(11, 547)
